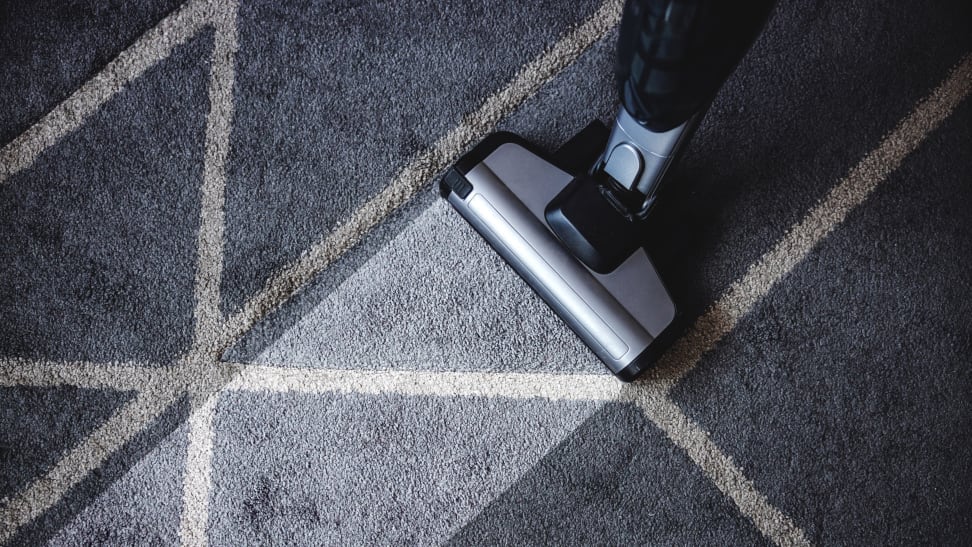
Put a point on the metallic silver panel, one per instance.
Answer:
(617, 314)
(624, 165)
(656, 149)
(573, 303)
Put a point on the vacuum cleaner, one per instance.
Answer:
(572, 225)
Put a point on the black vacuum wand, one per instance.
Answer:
(673, 56)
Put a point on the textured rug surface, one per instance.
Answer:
(235, 311)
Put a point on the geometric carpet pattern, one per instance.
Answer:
(236, 312)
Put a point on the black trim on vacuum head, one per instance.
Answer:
(642, 362)
(650, 355)
(454, 179)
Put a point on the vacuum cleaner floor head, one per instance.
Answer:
(502, 188)
(575, 235)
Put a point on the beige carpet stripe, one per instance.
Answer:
(116, 376)
(208, 319)
(290, 279)
(554, 387)
(801, 238)
(149, 49)
(197, 482)
(719, 468)
(121, 427)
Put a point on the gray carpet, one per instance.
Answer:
(217, 327)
